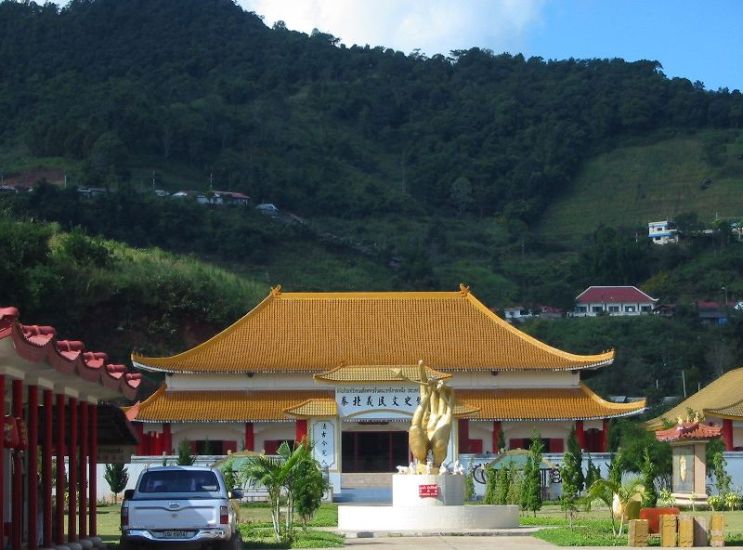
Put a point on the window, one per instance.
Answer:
(580, 309)
(179, 481)
(645, 308)
(597, 309)
(629, 309)
(613, 309)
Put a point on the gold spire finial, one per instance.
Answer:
(464, 289)
(276, 290)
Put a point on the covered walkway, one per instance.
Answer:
(55, 423)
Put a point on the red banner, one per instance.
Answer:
(428, 491)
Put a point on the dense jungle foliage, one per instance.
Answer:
(391, 171)
(316, 126)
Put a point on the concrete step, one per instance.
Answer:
(365, 495)
(363, 480)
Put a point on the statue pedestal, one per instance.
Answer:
(406, 490)
(427, 503)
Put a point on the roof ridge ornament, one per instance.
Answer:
(464, 290)
(276, 291)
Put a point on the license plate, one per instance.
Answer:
(175, 534)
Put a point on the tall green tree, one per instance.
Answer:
(650, 495)
(117, 476)
(576, 457)
(532, 488)
(185, 458)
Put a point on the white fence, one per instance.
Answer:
(140, 463)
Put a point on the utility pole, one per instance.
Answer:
(153, 180)
(683, 382)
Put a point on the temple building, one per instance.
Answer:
(720, 404)
(340, 368)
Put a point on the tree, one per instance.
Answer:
(576, 455)
(616, 497)
(503, 483)
(722, 478)
(310, 485)
(285, 473)
(650, 495)
(572, 479)
(469, 487)
(491, 484)
(617, 466)
(532, 488)
(593, 473)
(185, 458)
(117, 477)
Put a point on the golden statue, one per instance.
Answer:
(431, 425)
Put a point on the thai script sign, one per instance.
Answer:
(352, 401)
(323, 439)
(428, 491)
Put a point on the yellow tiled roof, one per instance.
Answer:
(733, 412)
(322, 406)
(545, 404)
(255, 406)
(315, 332)
(377, 373)
(721, 395)
(221, 406)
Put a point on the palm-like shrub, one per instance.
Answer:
(285, 474)
(616, 496)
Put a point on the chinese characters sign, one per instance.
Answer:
(377, 401)
(428, 491)
(323, 438)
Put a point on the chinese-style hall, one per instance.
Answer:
(336, 367)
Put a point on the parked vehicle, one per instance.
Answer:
(180, 507)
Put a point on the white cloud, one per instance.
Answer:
(433, 26)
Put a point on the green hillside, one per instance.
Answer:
(634, 184)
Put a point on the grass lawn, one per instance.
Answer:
(255, 526)
(594, 528)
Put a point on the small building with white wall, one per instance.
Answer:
(614, 301)
(663, 232)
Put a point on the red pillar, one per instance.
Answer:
(580, 435)
(605, 436)
(727, 434)
(2, 465)
(142, 445)
(60, 455)
(46, 469)
(83, 507)
(16, 508)
(300, 432)
(463, 434)
(167, 443)
(33, 466)
(497, 431)
(92, 477)
(249, 437)
(72, 474)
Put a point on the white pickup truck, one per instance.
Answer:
(180, 507)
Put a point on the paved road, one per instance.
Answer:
(448, 543)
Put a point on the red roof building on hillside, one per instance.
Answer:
(54, 407)
(613, 300)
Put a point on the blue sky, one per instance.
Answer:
(698, 40)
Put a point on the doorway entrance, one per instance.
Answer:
(374, 451)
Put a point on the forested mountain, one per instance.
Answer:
(314, 125)
(527, 179)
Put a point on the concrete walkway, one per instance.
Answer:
(448, 543)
